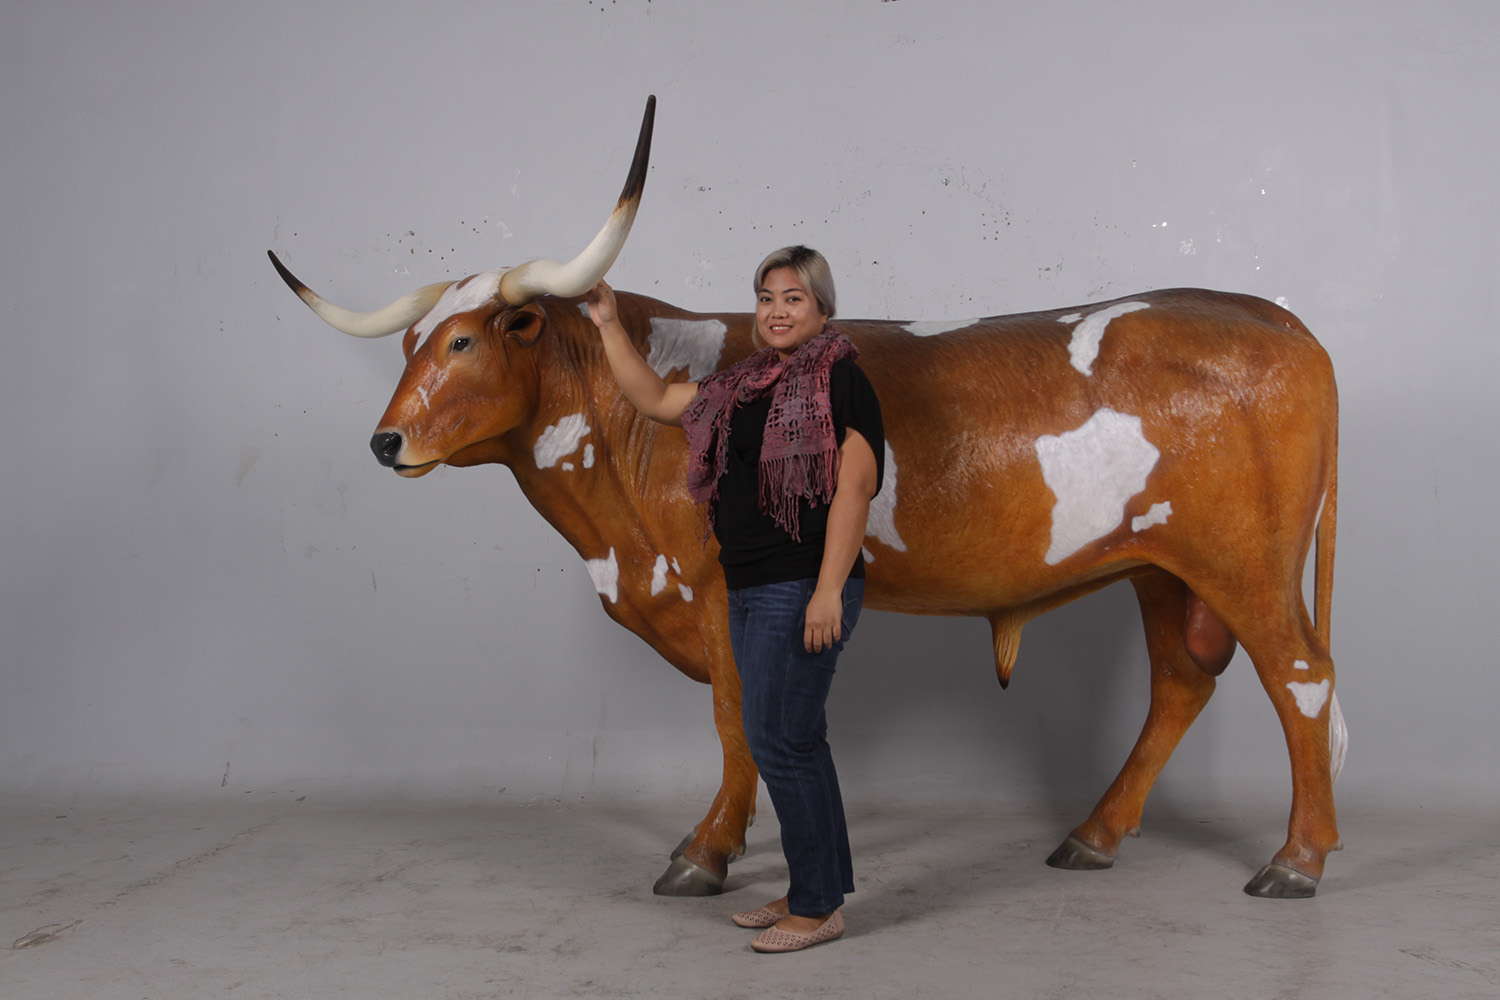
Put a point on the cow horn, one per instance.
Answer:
(397, 316)
(527, 281)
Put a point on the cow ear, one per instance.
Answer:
(524, 324)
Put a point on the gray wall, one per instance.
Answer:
(208, 584)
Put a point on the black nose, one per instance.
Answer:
(386, 445)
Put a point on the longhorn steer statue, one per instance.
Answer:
(1184, 440)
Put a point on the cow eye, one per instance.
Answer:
(460, 344)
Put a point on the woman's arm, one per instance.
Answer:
(658, 399)
(847, 514)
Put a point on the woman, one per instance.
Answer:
(787, 452)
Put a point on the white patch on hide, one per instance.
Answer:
(460, 297)
(865, 551)
(588, 456)
(659, 576)
(882, 520)
(1093, 471)
(567, 466)
(931, 328)
(1300, 665)
(1158, 514)
(694, 344)
(1338, 738)
(426, 402)
(559, 441)
(1310, 697)
(606, 576)
(1084, 347)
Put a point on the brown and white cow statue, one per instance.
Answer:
(1184, 440)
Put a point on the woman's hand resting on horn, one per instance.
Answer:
(602, 309)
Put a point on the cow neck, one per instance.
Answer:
(597, 508)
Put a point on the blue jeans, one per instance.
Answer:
(783, 690)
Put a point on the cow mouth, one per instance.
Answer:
(416, 471)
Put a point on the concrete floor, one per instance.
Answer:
(284, 896)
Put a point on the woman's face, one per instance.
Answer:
(786, 313)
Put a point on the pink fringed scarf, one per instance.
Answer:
(799, 453)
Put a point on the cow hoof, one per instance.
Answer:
(1074, 855)
(685, 878)
(678, 851)
(1280, 882)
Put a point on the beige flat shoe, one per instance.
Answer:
(761, 917)
(773, 940)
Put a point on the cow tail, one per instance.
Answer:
(1323, 565)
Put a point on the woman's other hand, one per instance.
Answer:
(824, 620)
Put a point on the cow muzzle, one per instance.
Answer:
(388, 447)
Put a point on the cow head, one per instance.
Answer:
(466, 342)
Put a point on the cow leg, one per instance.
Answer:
(1297, 672)
(701, 862)
(1183, 665)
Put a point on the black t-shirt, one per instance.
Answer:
(754, 549)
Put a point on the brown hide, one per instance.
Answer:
(1232, 391)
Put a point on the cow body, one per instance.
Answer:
(1183, 439)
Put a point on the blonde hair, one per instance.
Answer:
(810, 266)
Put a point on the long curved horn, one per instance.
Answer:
(397, 316)
(525, 282)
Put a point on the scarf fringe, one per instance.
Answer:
(785, 482)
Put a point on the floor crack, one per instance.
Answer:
(186, 863)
